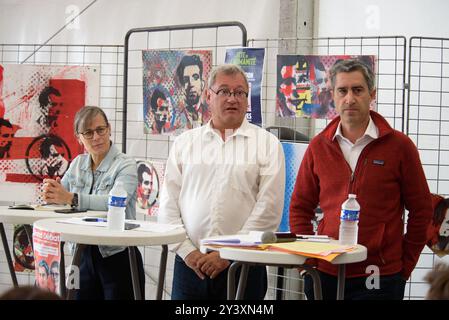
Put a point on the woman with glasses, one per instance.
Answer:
(104, 270)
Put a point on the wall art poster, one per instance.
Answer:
(251, 60)
(174, 90)
(37, 109)
(150, 176)
(303, 85)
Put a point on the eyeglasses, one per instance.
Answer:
(226, 93)
(89, 134)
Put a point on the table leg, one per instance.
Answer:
(79, 248)
(242, 282)
(162, 269)
(8, 255)
(62, 288)
(231, 279)
(280, 282)
(316, 281)
(134, 273)
(341, 282)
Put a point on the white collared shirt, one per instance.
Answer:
(215, 187)
(352, 151)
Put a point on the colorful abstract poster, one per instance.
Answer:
(37, 109)
(174, 95)
(303, 85)
(150, 176)
(294, 152)
(47, 257)
(251, 60)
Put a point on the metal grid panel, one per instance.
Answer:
(214, 36)
(108, 57)
(110, 60)
(428, 127)
(390, 53)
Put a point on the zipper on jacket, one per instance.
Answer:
(361, 161)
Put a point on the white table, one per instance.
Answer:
(246, 257)
(91, 235)
(27, 218)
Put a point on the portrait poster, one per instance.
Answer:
(23, 256)
(251, 60)
(174, 90)
(38, 104)
(294, 152)
(303, 85)
(150, 176)
(47, 255)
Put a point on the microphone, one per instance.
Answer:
(277, 237)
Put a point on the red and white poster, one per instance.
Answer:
(38, 104)
(47, 256)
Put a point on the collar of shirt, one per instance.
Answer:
(371, 131)
(243, 130)
(105, 164)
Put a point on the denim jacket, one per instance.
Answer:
(116, 166)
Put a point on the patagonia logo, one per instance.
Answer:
(379, 162)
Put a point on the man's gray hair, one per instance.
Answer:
(351, 65)
(226, 69)
(84, 117)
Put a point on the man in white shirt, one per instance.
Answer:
(226, 177)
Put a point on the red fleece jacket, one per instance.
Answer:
(388, 178)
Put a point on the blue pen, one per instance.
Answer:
(94, 220)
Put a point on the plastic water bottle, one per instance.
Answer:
(349, 220)
(117, 206)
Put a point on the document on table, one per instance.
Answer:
(86, 221)
(50, 207)
(252, 239)
(154, 227)
(325, 251)
(145, 226)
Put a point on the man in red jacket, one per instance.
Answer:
(359, 153)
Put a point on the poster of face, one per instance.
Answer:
(304, 85)
(174, 84)
(47, 257)
(22, 251)
(150, 175)
(38, 104)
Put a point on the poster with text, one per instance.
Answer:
(251, 60)
(38, 104)
(47, 256)
(150, 176)
(303, 85)
(174, 90)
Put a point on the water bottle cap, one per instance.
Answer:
(353, 196)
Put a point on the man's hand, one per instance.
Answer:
(191, 261)
(54, 192)
(211, 264)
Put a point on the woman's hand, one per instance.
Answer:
(54, 192)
